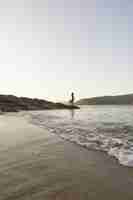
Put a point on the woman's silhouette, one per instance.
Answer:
(72, 98)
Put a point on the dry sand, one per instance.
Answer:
(36, 165)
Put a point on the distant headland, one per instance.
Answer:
(126, 99)
(11, 103)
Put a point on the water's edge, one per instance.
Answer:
(119, 146)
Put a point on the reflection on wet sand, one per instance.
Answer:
(72, 113)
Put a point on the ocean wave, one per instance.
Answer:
(108, 137)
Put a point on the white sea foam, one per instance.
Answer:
(114, 137)
(125, 156)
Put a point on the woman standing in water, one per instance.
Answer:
(72, 103)
(72, 99)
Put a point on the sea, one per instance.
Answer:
(101, 128)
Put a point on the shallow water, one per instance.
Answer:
(106, 128)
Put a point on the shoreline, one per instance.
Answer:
(37, 165)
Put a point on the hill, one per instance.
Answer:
(108, 100)
(11, 103)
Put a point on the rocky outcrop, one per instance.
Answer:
(11, 103)
(64, 106)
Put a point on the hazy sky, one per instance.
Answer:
(49, 48)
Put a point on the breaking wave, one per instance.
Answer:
(106, 129)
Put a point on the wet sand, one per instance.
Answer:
(36, 165)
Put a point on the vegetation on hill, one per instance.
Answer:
(11, 103)
(108, 100)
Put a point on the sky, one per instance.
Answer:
(50, 48)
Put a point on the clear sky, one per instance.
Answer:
(49, 48)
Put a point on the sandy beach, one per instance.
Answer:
(37, 165)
